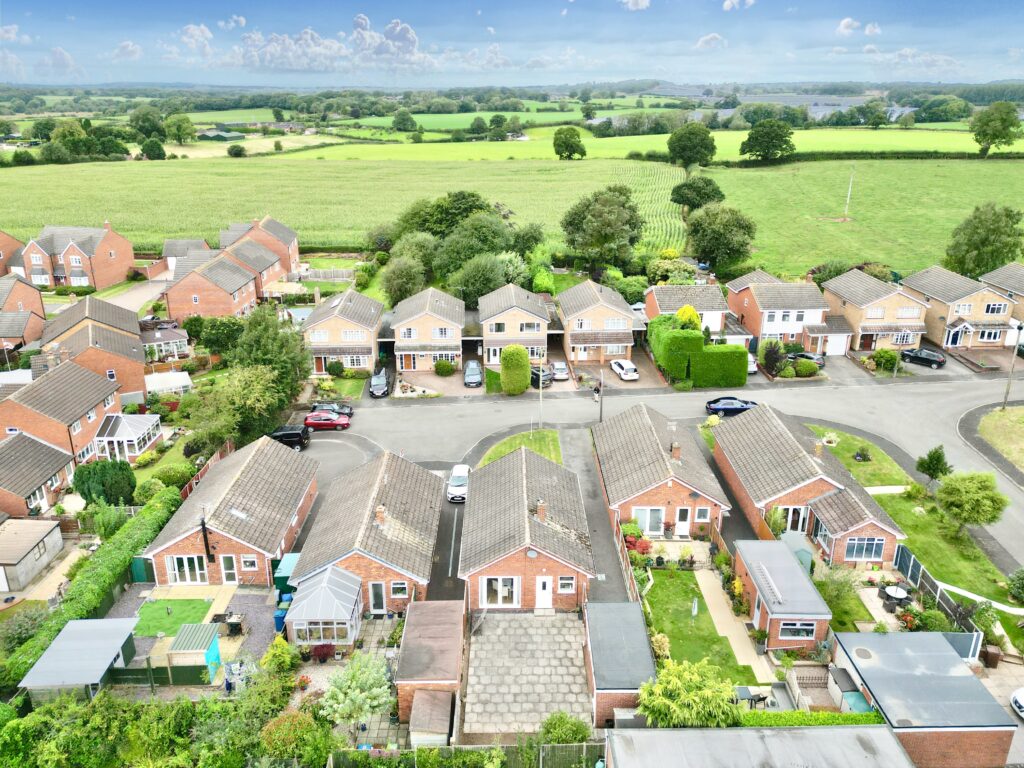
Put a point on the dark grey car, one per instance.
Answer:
(380, 384)
(473, 374)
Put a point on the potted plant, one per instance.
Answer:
(323, 652)
(302, 683)
(359, 644)
(670, 528)
(305, 653)
(760, 638)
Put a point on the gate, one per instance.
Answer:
(142, 570)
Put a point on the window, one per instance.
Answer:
(903, 338)
(54, 481)
(875, 313)
(91, 415)
(250, 563)
(615, 349)
(703, 514)
(407, 333)
(496, 328)
(796, 629)
(355, 361)
(85, 453)
(770, 317)
(989, 335)
(996, 308)
(451, 357)
(582, 324)
(37, 259)
(499, 591)
(76, 261)
(529, 327)
(822, 536)
(318, 336)
(354, 335)
(908, 313)
(399, 589)
(649, 519)
(566, 584)
(800, 316)
(444, 332)
(317, 632)
(745, 301)
(112, 374)
(108, 401)
(792, 337)
(234, 296)
(963, 309)
(13, 430)
(864, 548)
(39, 550)
(21, 307)
(111, 254)
(615, 324)
(76, 427)
(536, 353)
(785, 317)
(195, 299)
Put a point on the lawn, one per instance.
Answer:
(115, 290)
(352, 388)
(671, 600)
(566, 280)
(328, 262)
(1004, 431)
(846, 612)
(24, 605)
(175, 455)
(541, 441)
(881, 470)
(167, 615)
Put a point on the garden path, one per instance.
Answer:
(732, 627)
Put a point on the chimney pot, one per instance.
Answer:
(106, 225)
(676, 451)
(542, 510)
(380, 515)
(255, 222)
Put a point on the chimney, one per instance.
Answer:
(712, 279)
(380, 516)
(106, 225)
(808, 278)
(316, 295)
(255, 222)
(542, 510)
(676, 451)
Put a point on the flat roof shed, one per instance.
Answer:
(432, 642)
(620, 651)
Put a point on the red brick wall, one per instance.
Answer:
(528, 569)
(750, 509)
(27, 296)
(8, 245)
(870, 531)
(107, 269)
(213, 302)
(131, 374)
(14, 414)
(606, 703)
(33, 330)
(957, 749)
(671, 497)
(749, 315)
(651, 306)
(28, 266)
(289, 256)
(407, 690)
(219, 545)
(369, 570)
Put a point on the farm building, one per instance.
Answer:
(214, 135)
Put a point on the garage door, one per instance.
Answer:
(836, 345)
(3, 580)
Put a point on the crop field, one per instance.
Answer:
(255, 144)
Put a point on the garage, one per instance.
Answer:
(831, 338)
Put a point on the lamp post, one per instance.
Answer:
(1013, 362)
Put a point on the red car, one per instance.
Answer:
(326, 420)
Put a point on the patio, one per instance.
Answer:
(876, 607)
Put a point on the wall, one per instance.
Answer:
(891, 305)
(220, 544)
(48, 430)
(152, 268)
(8, 245)
(287, 254)
(425, 325)
(512, 318)
(604, 703)
(672, 494)
(269, 275)
(369, 570)
(407, 690)
(957, 748)
(528, 569)
(790, 330)
(871, 531)
(106, 269)
(750, 509)
(745, 308)
(24, 298)
(20, 576)
(130, 374)
(213, 302)
(335, 327)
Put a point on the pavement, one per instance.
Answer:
(1001, 682)
(732, 627)
(143, 291)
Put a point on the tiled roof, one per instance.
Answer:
(285, 234)
(96, 310)
(511, 296)
(7, 283)
(347, 519)
(350, 305)
(177, 249)
(12, 324)
(501, 513)
(634, 452)
(191, 260)
(101, 337)
(251, 494)
(257, 256)
(860, 288)
(788, 296)
(834, 324)
(939, 283)
(225, 274)
(54, 240)
(601, 337)
(232, 233)
(703, 298)
(589, 294)
(27, 463)
(430, 300)
(751, 278)
(65, 393)
(1009, 277)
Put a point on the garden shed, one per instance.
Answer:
(327, 608)
(617, 655)
(196, 645)
(26, 548)
(431, 718)
(431, 657)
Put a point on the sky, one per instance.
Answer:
(413, 43)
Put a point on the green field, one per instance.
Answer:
(258, 115)
(464, 119)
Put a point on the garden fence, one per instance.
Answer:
(472, 756)
(330, 275)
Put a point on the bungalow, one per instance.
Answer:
(1008, 281)
(217, 287)
(33, 475)
(654, 473)
(269, 233)
(961, 312)
(22, 315)
(344, 328)
(378, 522)
(617, 656)
(709, 303)
(771, 463)
(783, 600)
(178, 249)
(427, 328)
(26, 548)
(247, 512)
(77, 256)
(598, 323)
(880, 315)
(525, 537)
(10, 251)
(513, 315)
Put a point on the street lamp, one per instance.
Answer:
(1013, 361)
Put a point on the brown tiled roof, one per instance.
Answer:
(589, 294)
(703, 298)
(65, 393)
(512, 296)
(432, 301)
(350, 305)
(96, 310)
(860, 288)
(939, 283)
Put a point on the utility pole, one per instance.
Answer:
(540, 382)
(600, 401)
(1013, 362)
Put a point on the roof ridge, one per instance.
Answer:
(666, 457)
(526, 495)
(385, 459)
(234, 478)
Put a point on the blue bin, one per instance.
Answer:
(279, 619)
(287, 598)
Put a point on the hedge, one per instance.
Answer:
(515, 369)
(682, 355)
(763, 719)
(720, 365)
(805, 157)
(94, 581)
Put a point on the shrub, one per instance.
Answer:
(152, 149)
(933, 620)
(515, 369)
(336, 368)
(632, 288)
(189, 366)
(21, 625)
(177, 475)
(562, 728)
(805, 369)
(146, 490)
(146, 458)
(236, 150)
(280, 658)
(323, 651)
(797, 718)
(362, 281)
(109, 521)
(381, 238)
(131, 408)
(661, 645)
(720, 365)
(543, 281)
(632, 529)
(787, 372)
(110, 481)
(1015, 585)
(792, 347)
(885, 359)
(686, 385)
(444, 368)
(774, 358)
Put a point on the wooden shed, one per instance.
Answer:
(196, 645)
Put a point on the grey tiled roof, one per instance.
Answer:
(257, 256)
(232, 233)
(6, 390)
(225, 274)
(346, 521)
(65, 393)
(1009, 277)
(179, 248)
(96, 310)
(788, 296)
(350, 305)
(250, 494)
(12, 324)
(860, 288)
(703, 298)
(756, 276)
(430, 300)
(634, 452)
(285, 234)
(509, 296)
(27, 463)
(101, 337)
(191, 260)
(501, 513)
(780, 579)
(589, 294)
(601, 337)
(836, 324)
(7, 283)
(54, 240)
(939, 283)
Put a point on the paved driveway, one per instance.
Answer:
(843, 370)
(649, 375)
(137, 296)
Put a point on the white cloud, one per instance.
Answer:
(9, 34)
(126, 51)
(58, 63)
(872, 29)
(197, 37)
(169, 52)
(847, 27)
(732, 5)
(790, 56)
(837, 51)
(565, 11)
(912, 60)
(568, 58)
(711, 41)
(71, 19)
(231, 23)
(11, 65)
(636, 5)
(490, 30)
(871, 49)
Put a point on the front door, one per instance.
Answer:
(493, 355)
(683, 521)
(757, 612)
(545, 585)
(581, 353)
(867, 341)
(408, 362)
(228, 570)
(953, 338)
(377, 606)
(797, 519)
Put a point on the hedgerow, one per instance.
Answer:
(683, 356)
(764, 719)
(720, 365)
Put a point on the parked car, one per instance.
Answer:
(473, 374)
(751, 363)
(625, 370)
(1017, 701)
(458, 484)
(814, 357)
(541, 376)
(923, 357)
(380, 383)
(560, 370)
(728, 406)
(326, 420)
(342, 408)
(295, 436)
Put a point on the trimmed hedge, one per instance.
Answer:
(682, 355)
(797, 718)
(94, 581)
(515, 369)
(721, 365)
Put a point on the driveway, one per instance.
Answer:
(842, 370)
(138, 295)
(649, 375)
(448, 386)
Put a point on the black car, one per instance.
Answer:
(342, 408)
(380, 384)
(541, 376)
(923, 357)
(295, 436)
(728, 406)
(815, 358)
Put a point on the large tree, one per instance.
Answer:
(403, 277)
(478, 276)
(987, 239)
(568, 144)
(689, 695)
(998, 125)
(361, 689)
(147, 121)
(403, 121)
(244, 405)
(971, 498)
(691, 144)
(695, 193)
(770, 139)
(421, 246)
(720, 236)
(266, 340)
(220, 334)
(482, 232)
(66, 130)
(603, 227)
(109, 481)
(180, 129)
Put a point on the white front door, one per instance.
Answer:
(581, 353)
(757, 611)
(494, 355)
(377, 605)
(683, 521)
(228, 569)
(545, 585)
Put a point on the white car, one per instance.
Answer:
(560, 370)
(1017, 701)
(458, 484)
(625, 370)
(751, 363)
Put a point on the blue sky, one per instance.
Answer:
(321, 43)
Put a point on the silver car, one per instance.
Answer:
(560, 369)
(458, 484)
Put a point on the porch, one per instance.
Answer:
(987, 335)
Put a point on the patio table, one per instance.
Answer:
(896, 593)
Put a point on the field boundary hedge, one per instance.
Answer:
(655, 156)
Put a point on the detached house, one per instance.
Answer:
(247, 511)
(771, 462)
(377, 523)
(514, 315)
(880, 315)
(1008, 281)
(961, 312)
(33, 474)
(427, 328)
(345, 328)
(96, 256)
(525, 538)
(598, 323)
(655, 474)
(10, 251)
(21, 312)
(263, 263)
(271, 234)
(708, 302)
(213, 287)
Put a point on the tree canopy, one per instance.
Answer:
(568, 144)
(359, 690)
(933, 464)
(689, 695)
(268, 341)
(220, 334)
(769, 140)
(403, 121)
(998, 125)
(691, 144)
(477, 277)
(971, 498)
(696, 192)
(604, 226)
(721, 236)
(109, 481)
(180, 129)
(987, 239)
(403, 277)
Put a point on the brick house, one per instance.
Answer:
(271, 234)
(880, 315)
(33, 475)
(770, 461)
(962, 312)
(433, 643)
(525, 538)
(262, 262)
(96, 256)
(175, 249)
(709, 304)
(513, 315)
(617, 657)
(22, 315)
(377, 522)
(427, 327)
(598, 323)
(247, 511)
(783, 600)
(10, 251)
(1008, 281)
(344, 327)
(653, 472)
(216, 287)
